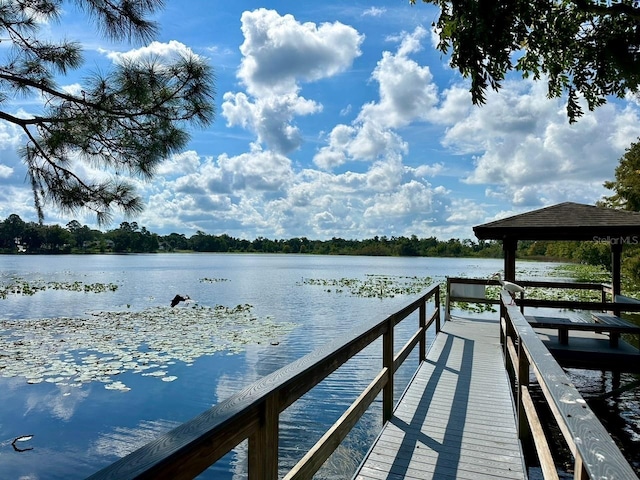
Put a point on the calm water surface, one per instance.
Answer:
(80, 427)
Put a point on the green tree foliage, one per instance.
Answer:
(124, 121)
(626, 196)
(591, 253)
(11, 229)
(30, 237)
(584, 48)
(627, 183)
(130, 238)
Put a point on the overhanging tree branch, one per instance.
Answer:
(588, 51)
(613, 9)
(127, 121)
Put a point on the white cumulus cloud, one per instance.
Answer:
(161, 50)
(279, 51)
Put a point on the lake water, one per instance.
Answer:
(94, 374)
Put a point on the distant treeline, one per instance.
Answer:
(18, 236)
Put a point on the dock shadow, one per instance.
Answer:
(448, 451)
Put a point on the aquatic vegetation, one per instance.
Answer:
(567, 272)
(213, 280)
(566, 294)
(582, 273)
(102, 345)
(377, 286)
(597, 274)
(19, 286)
(575, 272)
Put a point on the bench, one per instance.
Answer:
(602, 323)
(563, 325)
(615, 326)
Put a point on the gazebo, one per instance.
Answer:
(565, 221)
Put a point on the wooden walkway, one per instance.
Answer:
(456, 419)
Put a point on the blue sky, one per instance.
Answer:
(341, 119)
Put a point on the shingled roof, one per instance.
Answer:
(565, 221)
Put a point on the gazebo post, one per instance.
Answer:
(509, 246)
(616, 253)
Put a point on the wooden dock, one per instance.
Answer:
(456, 419)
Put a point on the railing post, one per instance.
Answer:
(579, 470)
(437, 302)
(503, 333)
(447, 311)
(522, 379)
(422, 321)
(508, 333)
(263, 444)
(387, 362)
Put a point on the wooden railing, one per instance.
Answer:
(607, 302)
(454, 294)
(254, 412)
(595, 453)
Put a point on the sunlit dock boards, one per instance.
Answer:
(456, 419)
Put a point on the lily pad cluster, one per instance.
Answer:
(102, 345)
(378, 286)
(582, 273)
(213, 280)
(20, 286)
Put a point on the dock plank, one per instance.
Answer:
(456, 419)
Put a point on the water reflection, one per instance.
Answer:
(61, 403)
(121, 441)
(615, 399)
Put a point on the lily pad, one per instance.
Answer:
(378, 286)
(73, 351)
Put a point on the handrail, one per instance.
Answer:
(253, 413)
(595, 453)
(533, 283)
(603, 305)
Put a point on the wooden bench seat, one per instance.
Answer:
(611, 324)
(563, 325)
(616, 326)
